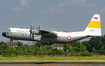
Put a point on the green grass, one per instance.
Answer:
(53, 59)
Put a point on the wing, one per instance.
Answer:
(46, 32)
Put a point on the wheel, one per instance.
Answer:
(49, 43)
(46, 43)
(11, 40)
(43, 43)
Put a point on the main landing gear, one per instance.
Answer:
(46, 43)
(11, 40)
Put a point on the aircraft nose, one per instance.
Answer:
(4, 34)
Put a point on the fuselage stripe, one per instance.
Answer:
(94, 24)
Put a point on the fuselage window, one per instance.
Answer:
(22, 34)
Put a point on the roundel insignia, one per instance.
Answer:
(69, 37)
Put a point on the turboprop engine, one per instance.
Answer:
(35, 32)
(32, 31)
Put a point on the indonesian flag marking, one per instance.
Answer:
(69, 37)
(95, 17)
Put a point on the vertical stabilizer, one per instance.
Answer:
(94, 26)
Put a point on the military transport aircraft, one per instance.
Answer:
(49, 37)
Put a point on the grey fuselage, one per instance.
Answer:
(61, 37)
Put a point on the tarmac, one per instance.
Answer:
(52, 64)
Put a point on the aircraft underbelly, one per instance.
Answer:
(49, 39)
(46, 38)
(64, 39)
(61, 39)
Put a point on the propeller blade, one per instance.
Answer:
(39, 27)
(33, 36)
(33, 27)
(30, 30)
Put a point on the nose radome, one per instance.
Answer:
(4, 34)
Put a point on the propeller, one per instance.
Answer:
(38, 28)
(30, 30)
(33, 33)
(33, 27)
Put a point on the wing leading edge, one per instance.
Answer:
(46, 32)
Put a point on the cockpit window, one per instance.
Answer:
(9, 30)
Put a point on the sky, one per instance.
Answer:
(61, 15)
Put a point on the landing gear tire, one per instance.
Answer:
(46, 43)
(43, 43)
(11, 40)
(49, 43)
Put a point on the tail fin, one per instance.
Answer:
(94, 27)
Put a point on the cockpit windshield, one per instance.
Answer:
(9, 30)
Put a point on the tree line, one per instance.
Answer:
(96, 45)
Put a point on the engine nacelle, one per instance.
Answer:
(36, 32)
